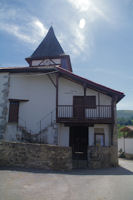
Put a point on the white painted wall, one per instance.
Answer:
(105, 100)
(68, 89)
(41, 95)
(91, 136)
(11, 132)
(128, 145)
(63, 135)
(107, 132)
(90, 92)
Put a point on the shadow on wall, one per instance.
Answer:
(99, 172)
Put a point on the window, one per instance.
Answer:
(99, 139)
(13, 111)
(90, 101)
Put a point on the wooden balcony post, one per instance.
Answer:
(84, 102)
(57, 84)
(98, 104)
(113, 118)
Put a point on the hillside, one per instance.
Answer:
(127, 114)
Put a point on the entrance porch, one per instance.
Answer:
(91, 145)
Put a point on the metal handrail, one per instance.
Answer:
(37, 123)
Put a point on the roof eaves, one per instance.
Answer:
(91, 83)
(26, 69)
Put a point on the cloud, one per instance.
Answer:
(37, 24)
(15, 30)
(87, 13)
(81, 5)
(30, 29)
(90, 8)
(76, 38)
(23, 26)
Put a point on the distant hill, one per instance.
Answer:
(127, 114)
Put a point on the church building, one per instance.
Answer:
(47, 103)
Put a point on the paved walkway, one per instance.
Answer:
(105, 184)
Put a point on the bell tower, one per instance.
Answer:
(50, 52)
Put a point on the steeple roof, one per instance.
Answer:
(49, 47)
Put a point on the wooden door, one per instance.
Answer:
(79, 142)
(78, 107)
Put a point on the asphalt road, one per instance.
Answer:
(110, 184)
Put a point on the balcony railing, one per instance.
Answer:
(84, 113)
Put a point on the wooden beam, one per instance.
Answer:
(98, 104)
(51, 80)
(113, 118)
(41, 62)
(24, 100)
(57, 87)
(84, 90)
(52, 61)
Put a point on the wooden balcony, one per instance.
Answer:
(83, 114)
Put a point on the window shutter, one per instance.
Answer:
(90, 101)
(13, 111)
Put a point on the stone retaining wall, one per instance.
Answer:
(39, 156)
(4, 89)
(129, 156)
(102, 157)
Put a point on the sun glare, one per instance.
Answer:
(82, 23)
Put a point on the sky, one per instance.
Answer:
(97, 34)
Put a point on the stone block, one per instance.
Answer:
(35, 156)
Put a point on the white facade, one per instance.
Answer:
(63, 134)
(105, 129)
(68, 89)
(126, 144)
(40, 95)
(37, 108)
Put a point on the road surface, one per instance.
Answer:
(103, 184)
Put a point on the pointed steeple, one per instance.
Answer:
(50, 48)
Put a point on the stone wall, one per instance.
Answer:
(4, 89)
(39, 156)
(129, 156)
(102, 157)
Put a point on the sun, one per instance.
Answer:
(82, 23)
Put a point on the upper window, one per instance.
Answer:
(13, 111)
(90, 101)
